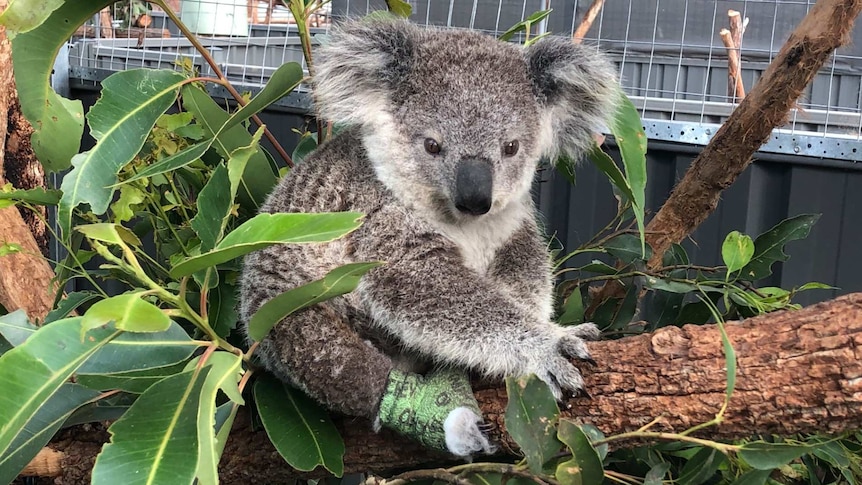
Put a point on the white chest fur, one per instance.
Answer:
(480, 239)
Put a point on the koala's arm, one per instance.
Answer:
(434, 305)
(522, 268)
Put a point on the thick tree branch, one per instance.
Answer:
(799, 372)
(826, 27)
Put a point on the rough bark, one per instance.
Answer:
(25, 277)
(826, 27)
(799, 372)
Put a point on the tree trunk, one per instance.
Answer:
(798, 372)
(25, 277)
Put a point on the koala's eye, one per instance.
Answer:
(431, 146)
(510, 148)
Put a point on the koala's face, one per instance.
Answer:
(455, 122)
(464, 127)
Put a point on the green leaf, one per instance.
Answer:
(399, 8)
(736, 251)
(15, 328)
(225, 373)
(299, 428)
(135, 382)
(627, 248)
(213, 204)
(109, 233)
(219, 126)
(70, 303)
(122, 207)
(33, 371)
(606, 165)
(23, 16)
(596, 266)
(656, 474)
(259, 177)
(585, 466)
(631, 139)
(41, 427)
(58, 123)
(280, 84)
(156, 441)
(769, 246)
(306, 145)
(768, 456)
(37, 196)
(139, 351)
(729, 361)
(267, 229)
(222, 309)
(573, 309)
(128, 312)
(753, 477)
(121, 119)
(339, 281)
(701, 467)
(180, 159)
(531, 419)
(525, 24)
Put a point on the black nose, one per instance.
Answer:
(473, 186)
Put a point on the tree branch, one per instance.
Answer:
(826, 27)
(799, 372)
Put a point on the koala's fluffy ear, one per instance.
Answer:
(578, 90)
(359, 69)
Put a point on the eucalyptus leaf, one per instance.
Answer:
(15, 328)
(70, 303)
(306, 145)
(701, 467)
(399, 8)
(585, 466)
(156, 440)
(36, 196)
(300, 429)
(753, 477)
(128, 312)
(768, 456)
(109, 233)
(339, 281)
(138, 351)
(627, 248)
(22, 16)
(656, 474)
(525, 24)
(226, 370)
(769, 246)
(58, 123)
(134, 382)
(121, 119)
(531, 419)
(258, 178)
(606, 165)
(41, 427)
(631, 139)
(267, 229)
(573, 309)
(33, 371)
(736, 251)
(213, 203)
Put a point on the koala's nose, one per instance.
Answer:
(473, 186)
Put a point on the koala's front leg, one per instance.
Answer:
(522, 267)
(427, 298)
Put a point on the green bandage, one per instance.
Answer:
(416, 405)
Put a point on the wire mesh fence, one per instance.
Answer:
(673, 56)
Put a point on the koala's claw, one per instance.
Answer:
(591, 361)
(586, 331)
(464, 433)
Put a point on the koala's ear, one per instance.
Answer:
(360, 67)
(578, 92)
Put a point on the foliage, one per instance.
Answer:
(164, 206)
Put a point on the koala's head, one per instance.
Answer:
(455, 122)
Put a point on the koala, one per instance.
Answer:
(445, 131)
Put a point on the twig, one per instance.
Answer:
(732, 40)
(587, 21)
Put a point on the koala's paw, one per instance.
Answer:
(559, 373)
(463, 434)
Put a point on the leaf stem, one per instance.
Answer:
(651, 435)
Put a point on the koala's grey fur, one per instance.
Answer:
(457, 289)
